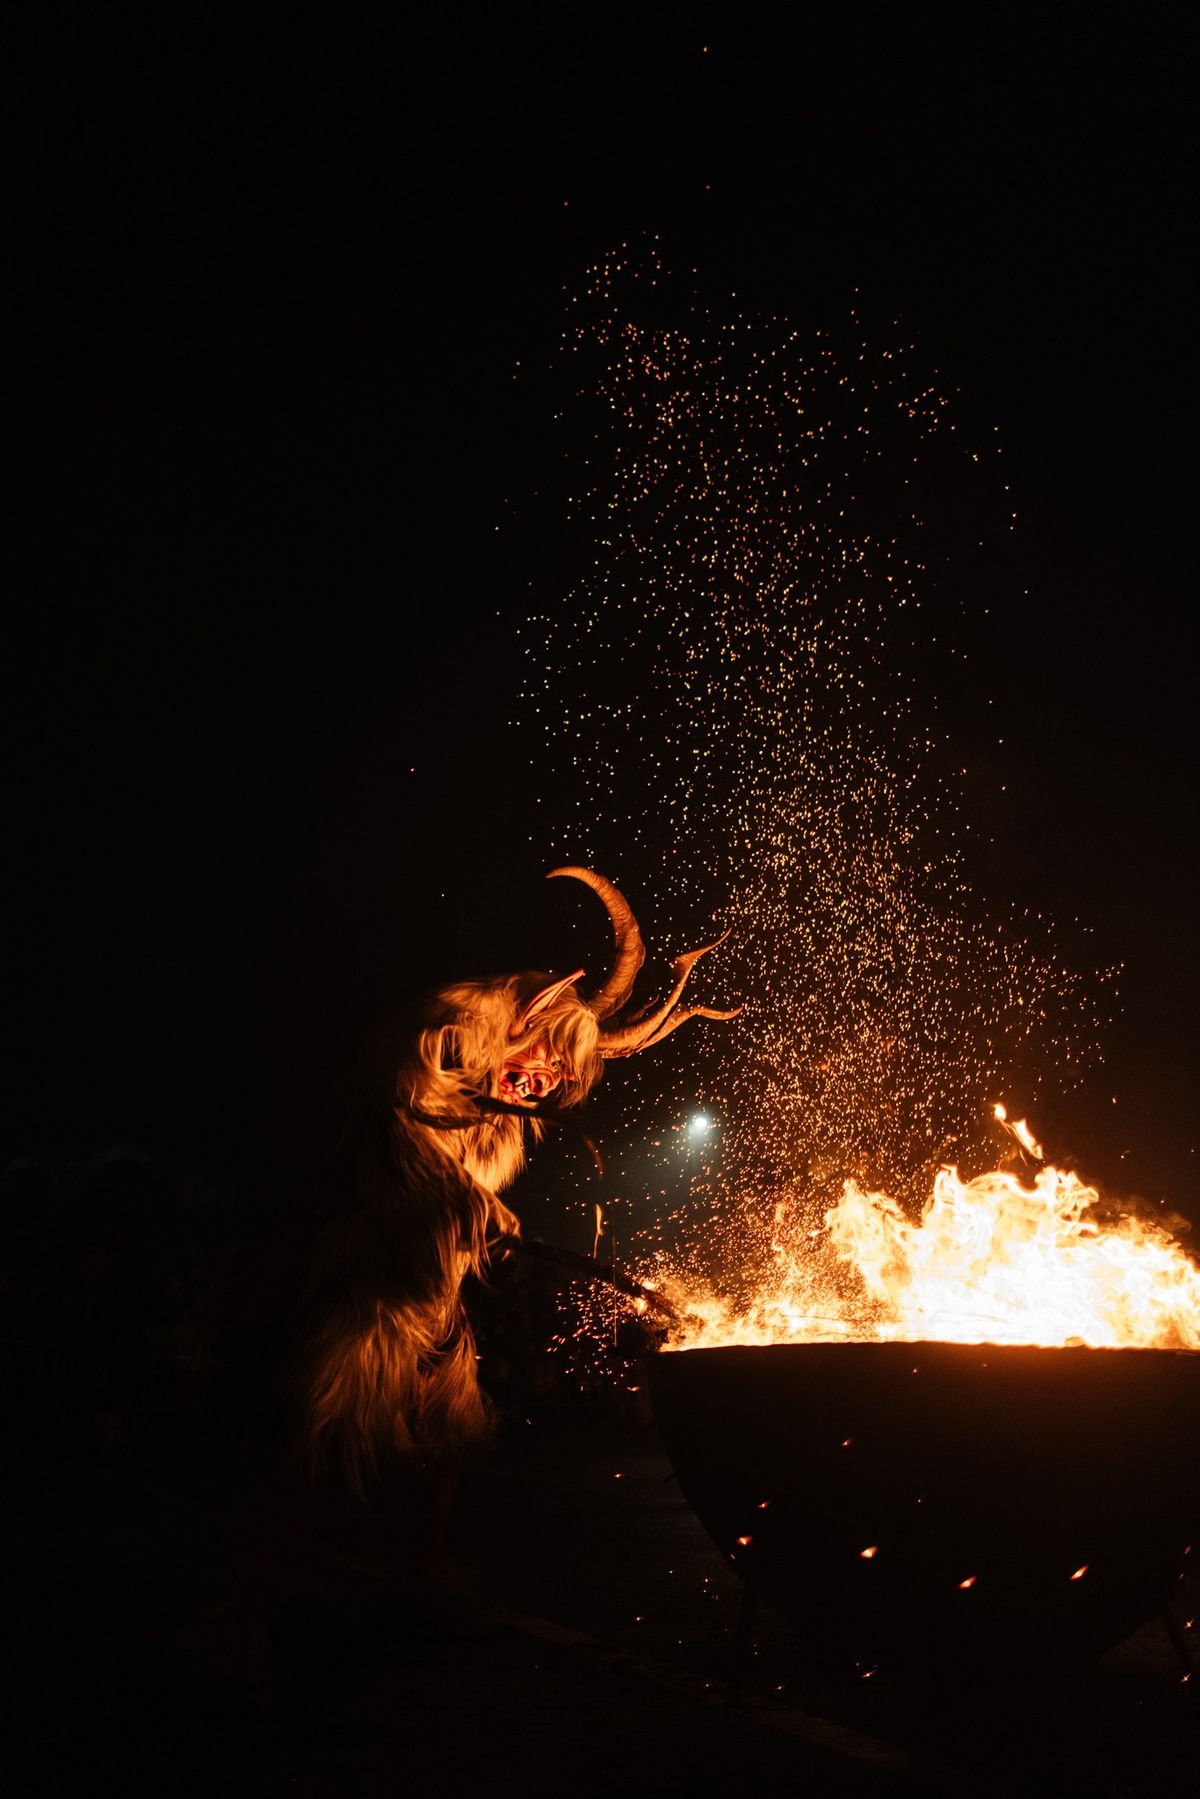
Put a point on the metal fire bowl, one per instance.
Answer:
(930, 1504)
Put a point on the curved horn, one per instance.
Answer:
(626, 1040)
(630, 950)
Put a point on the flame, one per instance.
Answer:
(995, 1259)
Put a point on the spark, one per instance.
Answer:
(728, 678)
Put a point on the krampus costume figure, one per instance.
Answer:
(382, 1392)
(387, 1368)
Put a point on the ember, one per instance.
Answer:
(747, 550)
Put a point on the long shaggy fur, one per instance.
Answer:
(387, 1369)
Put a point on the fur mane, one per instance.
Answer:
(387, 1368)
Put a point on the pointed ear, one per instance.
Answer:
(541, 1001)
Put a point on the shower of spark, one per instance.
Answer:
(734, 680)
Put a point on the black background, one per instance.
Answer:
(271, 279)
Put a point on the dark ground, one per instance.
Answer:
(587, 1647)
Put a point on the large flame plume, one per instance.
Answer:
(1005, 1257)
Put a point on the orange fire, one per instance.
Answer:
(1001, 1258)
(1018, 1129)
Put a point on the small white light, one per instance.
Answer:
(699, 1125)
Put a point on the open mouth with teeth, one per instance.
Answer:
(529, 1078)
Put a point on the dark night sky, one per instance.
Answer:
(269, 292)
